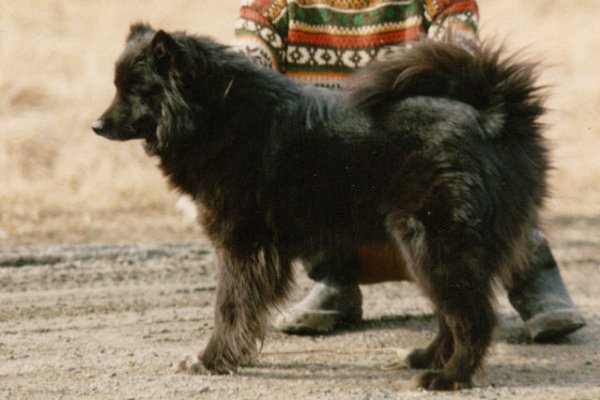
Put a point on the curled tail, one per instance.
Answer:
(502, 89)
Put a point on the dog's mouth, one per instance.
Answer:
(151, 144)
(144, 128)
(151, 137)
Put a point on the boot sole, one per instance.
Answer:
(316, 323)
(553, 325)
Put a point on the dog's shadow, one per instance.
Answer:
(371, 367)
(277, 365)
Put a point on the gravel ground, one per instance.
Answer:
(112, 321)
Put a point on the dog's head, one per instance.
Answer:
(144, 72)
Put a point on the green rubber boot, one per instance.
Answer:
(328, 307)
(543, 301)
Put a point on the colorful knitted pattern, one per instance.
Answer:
(320, 42)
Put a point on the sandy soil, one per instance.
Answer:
(111, 321)
(103, 287)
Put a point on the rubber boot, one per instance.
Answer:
(542, 300)
(328, 307)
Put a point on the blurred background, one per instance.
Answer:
(61, 183)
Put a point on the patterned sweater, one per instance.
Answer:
(320, 42)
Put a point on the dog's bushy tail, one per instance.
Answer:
(503, 89)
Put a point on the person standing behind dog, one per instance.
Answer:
(320, 43)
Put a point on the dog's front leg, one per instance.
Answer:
(248, 288)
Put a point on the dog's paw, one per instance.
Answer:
(197, 366)
(419, 359)
(437, 380)
(399, 362)
(192, 365)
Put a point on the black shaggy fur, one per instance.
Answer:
(438, 153)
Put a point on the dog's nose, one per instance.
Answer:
(98, 126)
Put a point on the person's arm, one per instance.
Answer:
(454, 20)
(261, 32)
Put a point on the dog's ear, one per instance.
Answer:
(164, 52)
(139, 30)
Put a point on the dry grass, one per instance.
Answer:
(56, 62)
(56, 65)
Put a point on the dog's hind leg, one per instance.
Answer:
(449, 267)
(248, 289)
(471, 329)
(437, 354)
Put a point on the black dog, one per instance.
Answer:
(438, 153)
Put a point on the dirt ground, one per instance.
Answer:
(104, 287)
(111, 321)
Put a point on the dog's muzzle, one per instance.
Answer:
(99, 127)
